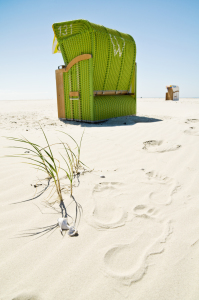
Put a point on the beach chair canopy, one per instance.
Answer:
(101, 80)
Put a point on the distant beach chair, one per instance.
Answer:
(172, 92)
(98, 80)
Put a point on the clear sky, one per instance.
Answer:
(166, 34)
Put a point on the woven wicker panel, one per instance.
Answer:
(66, 29)
(114, 106)
(78, 76)
(76, 81)
(85, 89)
(117, 50)
(75, 45)
(100, 54)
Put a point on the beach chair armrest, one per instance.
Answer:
(76, 60)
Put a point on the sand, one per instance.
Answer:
(139, 233)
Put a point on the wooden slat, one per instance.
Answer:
(60, 95)
(98, 93)
(74, 94)
(111, 93)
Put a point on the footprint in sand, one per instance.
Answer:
(192, 121)
(160, 146)
(106, 213)
(192, 131)
(145, 211)
(162, 188)
(128, 263)
(154, 188)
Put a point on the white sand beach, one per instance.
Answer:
(139, 232)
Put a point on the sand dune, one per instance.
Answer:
(139, 232)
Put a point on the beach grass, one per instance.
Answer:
(42, 158)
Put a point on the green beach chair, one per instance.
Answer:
(98, 80)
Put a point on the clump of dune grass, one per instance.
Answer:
(42, 158)
(73, 164)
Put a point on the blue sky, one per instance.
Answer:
(166, 34)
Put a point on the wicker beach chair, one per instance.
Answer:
(98, 80)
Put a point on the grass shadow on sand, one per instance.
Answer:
(120, 121)
(37, 196)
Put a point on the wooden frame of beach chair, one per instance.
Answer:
(98, 80)
(169, 94)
